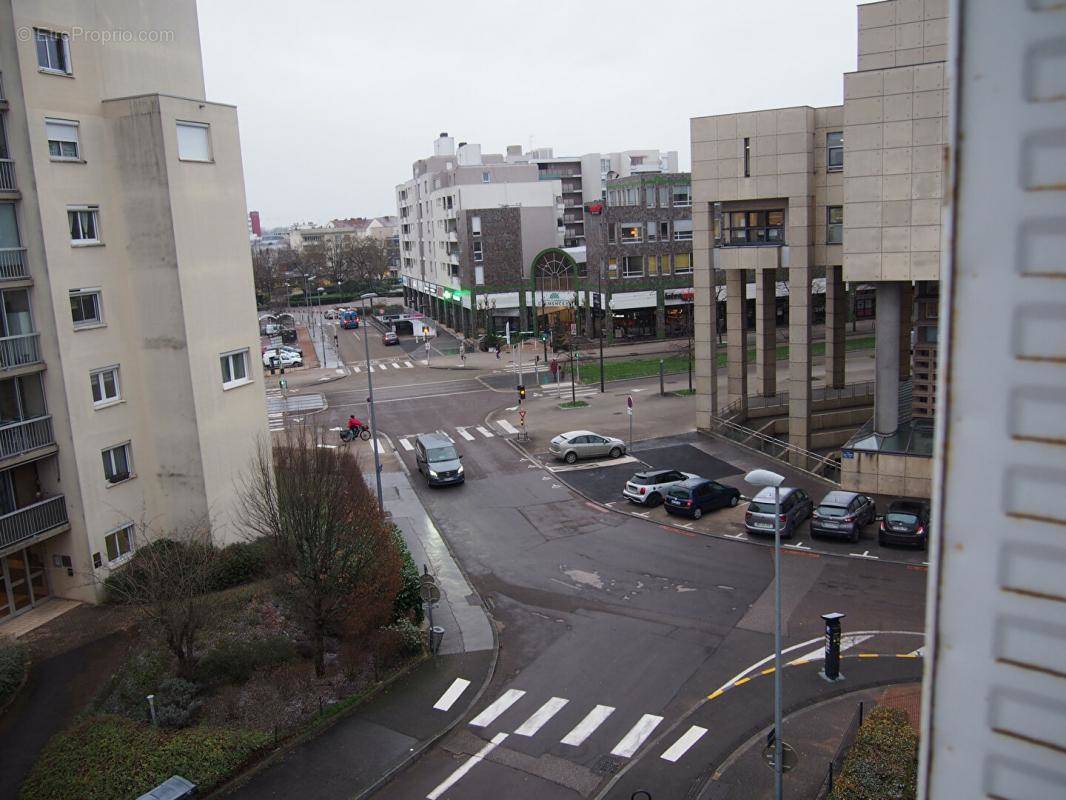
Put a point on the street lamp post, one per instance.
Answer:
(370, 402)
(602, 322)
(763, 477)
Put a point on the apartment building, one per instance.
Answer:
(129, 368)
(851, 192)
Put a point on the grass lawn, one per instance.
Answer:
(615, 370)
(574, 404)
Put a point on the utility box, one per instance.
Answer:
(171, 789)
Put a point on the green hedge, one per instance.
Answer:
(883, 762)
(111, 758)
(13, 663)
(408, 603)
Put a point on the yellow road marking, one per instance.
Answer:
(869, 655)
(742, 681)
(767, 671)
(716, 693)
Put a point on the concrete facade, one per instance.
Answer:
(169, 272)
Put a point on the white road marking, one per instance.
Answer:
(684, 525)
(485, 432)
(920, 652)
(379, 446)
(507, 426)
(736, 535)
(863, 554)
(798, 546)
(632, 741)
(465, 435)
(408, 364)
(329, 446)
(541, 716)
(370, 368)
(407, 445)
(444, 433)
(447, 700)
(504, 702)
(681, 746)
(611, 503)
(595, 464)
(396, 366)
(468, 765)
(587, 726)
(847, 641)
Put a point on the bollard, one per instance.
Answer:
(436, 635)
(151, 709)
(662, 371)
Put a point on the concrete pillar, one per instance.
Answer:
(886, 358)
(765, 332)
(736, 341)
(836, 315)
(906, 325)
(799, 353)
(660, 315)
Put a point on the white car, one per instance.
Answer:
(296, 351)
(284, 358)
(649, 488)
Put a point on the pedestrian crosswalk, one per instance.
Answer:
(566, 391)
(459, 434)
(275, 417)
(384, 366)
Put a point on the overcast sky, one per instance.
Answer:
(337, 98)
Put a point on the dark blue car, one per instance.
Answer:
(696, 495)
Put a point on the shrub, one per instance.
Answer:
(14, 660)
(408, 603)
(410, 637)
(176, 703)
(111, 758)
(235, 661)
(240, 563)
(141, 676)
(883, 762)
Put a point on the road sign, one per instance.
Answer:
(629, 405)
(522, 414)
(430, 593)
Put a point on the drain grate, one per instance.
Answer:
(607, 765)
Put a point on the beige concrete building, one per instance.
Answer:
(851, 192)
(129, 361)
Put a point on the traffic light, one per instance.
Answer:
(521, 392)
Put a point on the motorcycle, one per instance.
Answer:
(349, 434)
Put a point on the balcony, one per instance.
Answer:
(12, 263)
(26, 436)
(33, 521)
(19, 351)
(7, 175)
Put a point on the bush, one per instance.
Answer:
(883, 762)
(111, 758)
(139, 677)
(14, 659)
(176, 703)
(409, 637)
(408, 603)
(235, 661)
(240, 563)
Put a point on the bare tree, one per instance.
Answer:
(370, 260)
(266, 273)
(168, 579)
(331, 545)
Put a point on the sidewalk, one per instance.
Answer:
(361, 751)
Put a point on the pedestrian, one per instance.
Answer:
(497, 351)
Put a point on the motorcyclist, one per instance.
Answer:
(354, 424)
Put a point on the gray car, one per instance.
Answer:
(438, 460)
(796, 506)
(571, 446)
(843, 514)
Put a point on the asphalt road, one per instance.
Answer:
(630, 622)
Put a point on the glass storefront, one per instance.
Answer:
(23, 581)
(636, 323)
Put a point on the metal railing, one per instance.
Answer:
(796, 457)
(7, 175)
(846, 741)
(22, 437)
(19, 351)
(851, 391)
(12, 263)
(33, 520)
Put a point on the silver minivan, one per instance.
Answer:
(438, 459)
(796, 506)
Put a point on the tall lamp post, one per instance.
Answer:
(764, 478)
(603, 321)
(370, 402)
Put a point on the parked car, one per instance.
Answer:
(390, 337)
(905, 522)
(296, 351)
(330, 313)
(697, 495)
(283, 359)
(796, 506)
(571, 446)
(270, 329)
(843, 514)
(437, 459)
(649, 488)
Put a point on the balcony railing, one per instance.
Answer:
(19, 351)
(7, 175)
(22, 437)
(12, 263)
(33, 520)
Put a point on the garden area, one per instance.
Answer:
(240, 648)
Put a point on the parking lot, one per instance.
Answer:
(603, 480)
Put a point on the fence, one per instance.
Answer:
(837, 762)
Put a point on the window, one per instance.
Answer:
(234, 368)
(62, 139)
(84, 225)
(632, 232)
(194, 142)
(834, 151)
(633, 267)
(475, 226)
(86, 308)
(653, 265)
(753, 227)
(486, 177)
(118, 465)
(53, 51)
(649, 196)
(105, 386)
(119, 544)
(478, 256)
(747, 157)
(664, 197)
(612, 232)
(682, 230)
(612, 267)
(682, 196)
(834, 225)
(605, 165)
(664, 231)
(664, 265)
(633, 196)
(682, 263)
(652, 228)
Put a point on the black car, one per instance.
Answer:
(842, 514)
(905, 522)
(696, 495)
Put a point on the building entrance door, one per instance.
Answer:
(23, 581)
